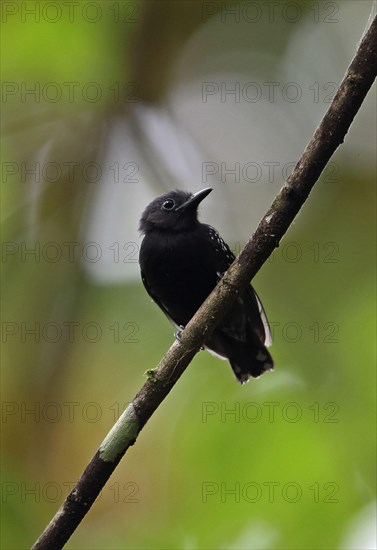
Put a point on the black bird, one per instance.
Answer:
(181, 261)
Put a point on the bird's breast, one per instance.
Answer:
(176, 271)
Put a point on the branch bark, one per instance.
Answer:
(326, 139)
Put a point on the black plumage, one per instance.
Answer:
(181, 261)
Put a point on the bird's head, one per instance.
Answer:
(174, 211)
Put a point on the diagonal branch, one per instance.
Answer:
(327, 138)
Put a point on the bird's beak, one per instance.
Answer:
(194, 201)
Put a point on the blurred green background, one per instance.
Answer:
(287, 461)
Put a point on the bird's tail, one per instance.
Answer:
(248, 362)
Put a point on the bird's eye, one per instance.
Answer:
(168, 205)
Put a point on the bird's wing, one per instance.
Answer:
(226, 255)
(157, 300)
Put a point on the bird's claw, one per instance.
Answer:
(178, 333)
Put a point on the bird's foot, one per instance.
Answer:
(178, 333)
